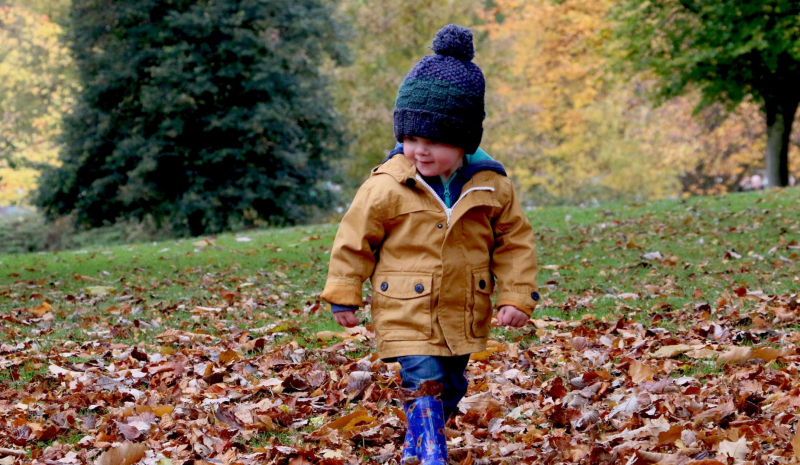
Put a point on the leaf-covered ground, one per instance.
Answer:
(668, 333)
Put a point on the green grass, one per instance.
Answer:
(587, 255)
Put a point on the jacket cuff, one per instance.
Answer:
(526, 303)
(336, 308)
(342, 291)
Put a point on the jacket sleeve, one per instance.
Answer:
(353, 255)
(514, 258)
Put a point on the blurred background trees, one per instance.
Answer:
(728, 50)
(387, 42)
(37, 84)
(213, 115)
(202, 115)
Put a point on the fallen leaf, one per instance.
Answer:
(627, 296)
(177, 336)
(228, 356)
(129, 431)
(769, 354)
(639, 371)
(657, 457)
(100, 290)
(670, 436)
(41, 310)
(735, 355)
(671, 351)
(796, 443)
(126, 454)
(350, 421)
(736, 450)
(483, 355)
(652, 256)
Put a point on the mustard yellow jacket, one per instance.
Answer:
(431, 267)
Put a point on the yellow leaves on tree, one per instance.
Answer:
(573, 130)
(388, 41)
(36, 88)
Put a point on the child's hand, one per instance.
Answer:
(347, 319)
(511, 316)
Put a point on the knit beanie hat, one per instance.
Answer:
(441, 99)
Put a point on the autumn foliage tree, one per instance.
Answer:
(387, 41)
(202, 115)
(37, 85)
(565, 125)
(728, 49)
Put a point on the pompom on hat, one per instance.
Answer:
(442, 98)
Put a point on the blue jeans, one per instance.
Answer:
(449, 371)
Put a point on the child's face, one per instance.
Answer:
(432, 158)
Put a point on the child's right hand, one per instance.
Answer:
(347, 319)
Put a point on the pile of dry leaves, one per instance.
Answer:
(721, 388)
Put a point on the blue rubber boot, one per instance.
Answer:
(426, 426)
(409, 449)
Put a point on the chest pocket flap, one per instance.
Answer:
(401, 285)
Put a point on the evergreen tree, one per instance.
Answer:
(202, 113)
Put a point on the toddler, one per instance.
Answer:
(432, 228)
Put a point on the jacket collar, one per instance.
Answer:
(397, 167)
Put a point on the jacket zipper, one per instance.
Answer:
(446, 185)
(449, 211)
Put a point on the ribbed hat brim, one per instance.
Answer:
(438, 128)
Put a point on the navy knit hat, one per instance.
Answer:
(441, 99)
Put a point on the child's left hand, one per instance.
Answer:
(511, 316)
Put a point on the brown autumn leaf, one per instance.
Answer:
(125, 454)
(129, 431)
(480, 402)
(177, 336)
(228, 417)
(557, 388)
(228, 356)
(639, 371)
(671, 351)
(769, 354)
(735, 355)
(41, 310)
(715, 414)
(736, 450)
(796, 443)
(299, 461)
(480, 356)
(670, 436)
(345, 424)
(657, 457)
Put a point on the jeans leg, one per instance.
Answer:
(449, 371)
(455, 385)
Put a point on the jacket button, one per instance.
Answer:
(419, 288)
(384, 286)
(440, 226)
(411, 182)
(535, 296)
(482, 284)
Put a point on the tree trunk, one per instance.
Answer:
(780, 117)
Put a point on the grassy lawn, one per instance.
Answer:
(673, 268)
